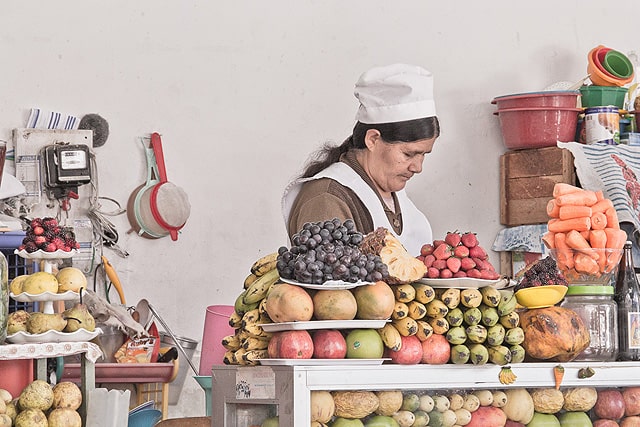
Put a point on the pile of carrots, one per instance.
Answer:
(584, 231)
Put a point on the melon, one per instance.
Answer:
(288, 303)
(375, 301)
(40, 282)
(322, 406)
(334, 304)
(71, 279)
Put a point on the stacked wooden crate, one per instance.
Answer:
(527, 178)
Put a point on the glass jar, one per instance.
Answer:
(598, 311)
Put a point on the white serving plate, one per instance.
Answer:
(331, 284)
(468, 283)
(320, 362)
(40, 254)
(324, 324)
(45, 296)
(82, 334)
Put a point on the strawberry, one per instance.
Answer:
(439, 264)
(38, 230)
(480, 263)
(478, 252)
(433, 273)
(428, 260)
(461, 251)
(469, 239)
(446, 274)
(39, 240)
(426, 249)
(453, 264)
(474, 272)
(437, 243)
(35, 222)
(460, 274)
(453, 238)
(489, 274)
(467, 264)
(443, 251)
(49, 222)
(50, 247)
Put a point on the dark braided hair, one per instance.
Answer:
(407, 131)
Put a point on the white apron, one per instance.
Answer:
(416, 230)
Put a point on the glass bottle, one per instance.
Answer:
(627, 296)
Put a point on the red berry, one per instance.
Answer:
(469, 239)
(38, 231)
(453, 238)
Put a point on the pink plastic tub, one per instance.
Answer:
(560, 99)
(216, 327)
(537, 127)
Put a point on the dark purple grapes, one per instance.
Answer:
(329, 250)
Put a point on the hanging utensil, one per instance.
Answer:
(113, 277)
(173, 336)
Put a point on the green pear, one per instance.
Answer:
(17, 321)
(79, 317)
(39, 323)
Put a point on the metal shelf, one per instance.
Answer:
(289, 387)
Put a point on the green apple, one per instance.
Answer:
(364, 344)
(543, 420)
(574, 419)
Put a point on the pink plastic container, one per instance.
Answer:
(524, 128)
(216, 327)
(560, 99)
(15, 375)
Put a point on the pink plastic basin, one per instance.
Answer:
(560, 99)
(537, 127)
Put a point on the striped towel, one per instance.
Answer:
(614, 169)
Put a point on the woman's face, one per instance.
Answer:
(391, 165)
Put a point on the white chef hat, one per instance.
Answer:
(395, 93)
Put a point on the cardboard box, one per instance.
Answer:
(527, 179)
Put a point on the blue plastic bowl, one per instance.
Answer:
(145, 418)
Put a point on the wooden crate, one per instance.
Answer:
(527, 179)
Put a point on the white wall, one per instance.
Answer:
(242, 92)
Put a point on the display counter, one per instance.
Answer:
(43, 351)
(288, 387)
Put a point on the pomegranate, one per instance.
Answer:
(329, 344)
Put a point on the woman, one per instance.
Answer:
(364, 178)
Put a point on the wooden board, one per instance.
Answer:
(527, 178)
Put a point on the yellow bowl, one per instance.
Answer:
(541, 296)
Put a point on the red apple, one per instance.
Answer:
(329, 344)
(605, 423)
(410, 352)
(609, 405)
(436, 350)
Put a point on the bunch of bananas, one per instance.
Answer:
(409, 316)
(481, 325)
(250, 341)
(484, 326)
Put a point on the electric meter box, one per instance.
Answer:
(67, 165)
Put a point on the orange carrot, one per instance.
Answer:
(598, 241)
(612, 218)
(558, 374)
(583, 263)
(561, 188)
(616, 239)
(564, 254)
(602, 205)
(584, 197)
(576, 241)
(565, 225)
(598, 221)
(553, 210)
(585, 234)
(549, 240)
(599, 195)
(571, 211)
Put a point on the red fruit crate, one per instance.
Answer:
(527, 179)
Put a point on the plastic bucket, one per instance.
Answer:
(189, 346)
(216, 327)
(602, 124)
